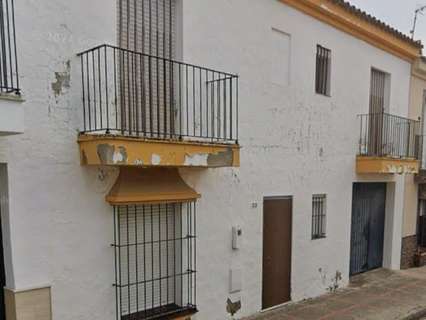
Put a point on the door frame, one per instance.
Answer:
(266, 198)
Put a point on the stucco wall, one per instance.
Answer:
(60, 226)
(294, 143)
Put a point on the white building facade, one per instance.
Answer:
(298, 129)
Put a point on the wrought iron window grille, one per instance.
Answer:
(323, 71)
(155, 260)
(319, 213)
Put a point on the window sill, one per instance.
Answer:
(327, 95)
(12, 97)
(318, 238)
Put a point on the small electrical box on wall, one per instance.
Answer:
(237, 233)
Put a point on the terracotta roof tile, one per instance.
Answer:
(373, 20)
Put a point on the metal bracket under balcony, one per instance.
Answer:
(388, 144)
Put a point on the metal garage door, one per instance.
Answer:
(368, 225)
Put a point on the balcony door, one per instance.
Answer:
(377, 109)
(147, 81)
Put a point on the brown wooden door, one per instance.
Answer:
(277, 230)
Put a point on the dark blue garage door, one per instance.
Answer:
(368, 226)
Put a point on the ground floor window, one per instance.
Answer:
(319, 216)
(155, 260)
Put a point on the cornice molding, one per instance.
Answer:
(335, 15)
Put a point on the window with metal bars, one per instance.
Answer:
(155, 260)
(9, 80)
(323, 71)
(319, 214)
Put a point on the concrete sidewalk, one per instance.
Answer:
(376, 295)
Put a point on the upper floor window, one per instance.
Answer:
(323, 71)
(9, 81)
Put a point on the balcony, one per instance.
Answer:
(148, 111)
(388, 144)
(11, 108)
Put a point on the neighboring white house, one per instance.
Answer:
(143, 187)
(414, 227)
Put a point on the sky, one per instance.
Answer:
(397, 13)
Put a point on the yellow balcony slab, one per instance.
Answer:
(386, 165)
(125, 151)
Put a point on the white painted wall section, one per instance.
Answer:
(294, 143)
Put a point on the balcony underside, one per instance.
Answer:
(385, 165)
(126, 151)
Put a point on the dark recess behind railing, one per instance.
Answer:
(386, 135)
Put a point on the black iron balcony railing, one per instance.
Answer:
(9, 80)
(386, 135)
(134, 94)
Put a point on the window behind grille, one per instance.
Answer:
(319, 216)
(147, 84)
(323, 71)
(155, 260)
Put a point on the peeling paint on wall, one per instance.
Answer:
(155, 160)
(196, 160)
(108, 155)
(105, 153)
(138, 162)
(62, 80)
(401, 169)
(221, 158)
(233, 307)
(120, 156)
